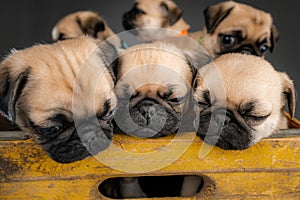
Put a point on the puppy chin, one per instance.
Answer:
(226, 141)
(67, 149)
(228, 134)
(67, 152)
(264, 130)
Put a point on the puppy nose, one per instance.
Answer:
(247, 50)
(148, 110)
(222, 117)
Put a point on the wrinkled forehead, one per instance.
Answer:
(152, 7)
(147, 3)
(153, 76)
(138, 68)
(73, 82)
(250, 19)
(237, 81)
(69, 95)
(159, 60)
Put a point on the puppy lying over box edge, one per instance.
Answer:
(49, 90)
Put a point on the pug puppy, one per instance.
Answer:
(153, 88)
(81, 23)
(152, 19)
(240, 100)
(63, 94)
(237, 27)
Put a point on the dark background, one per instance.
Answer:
(25, 23)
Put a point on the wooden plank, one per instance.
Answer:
(14, 135)
(268, 170)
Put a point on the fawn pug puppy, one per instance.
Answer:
(237, 27)
(81, 23)
(152, 19)
(63, 94)
(240, 99)
(153, 88)
(246, 104)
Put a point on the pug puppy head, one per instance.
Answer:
(81, 23)
(153, 88)
(245, 105)
(151, 16)
(62, 94)
(236, 27)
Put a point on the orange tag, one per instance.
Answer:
(184, 32)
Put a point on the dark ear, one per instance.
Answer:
(91, 26)
(11, 88)
(289, 93)
(196, 60)
(173, 15)
(110, 54)
(215, 14)
(274, 37)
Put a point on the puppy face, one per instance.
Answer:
(236, 27)
(81, 23)
(153, 89)
(154, 14)
(247, 103)
(63, 94)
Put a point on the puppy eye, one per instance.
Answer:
(202, 104)
(178, 100)
(139, 11)
(61, 36)
(263, 48)
(100, 27)
(205, 99)
(49, 130)
(255, 120)
(228, 40)
(109, 115)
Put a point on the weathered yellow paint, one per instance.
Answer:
(268, 170)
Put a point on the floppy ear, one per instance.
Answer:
(110, 55)
(91, 26)
(11, 87)
(289, 93)
(173, 15)
(215, 14)
(274, 37)
(196, 60)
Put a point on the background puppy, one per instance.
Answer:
(236, 27)
(247, 103)
(50, 90)
(81, 23)
(152, 18)
(153, 88)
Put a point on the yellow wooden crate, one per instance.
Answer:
(268, 170)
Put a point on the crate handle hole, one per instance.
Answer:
(157, 186)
